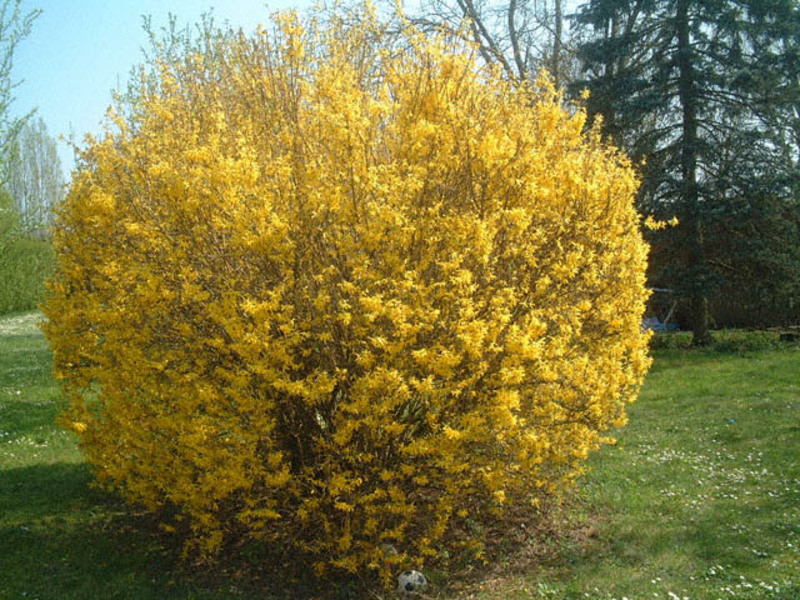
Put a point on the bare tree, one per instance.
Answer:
(35, 179)
(15, 25)
(522, 36)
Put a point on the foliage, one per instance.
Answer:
(329, 289)
(10, 222)
(725, 341)
(704, 95)
(25, 263)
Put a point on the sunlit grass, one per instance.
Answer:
(700, 499)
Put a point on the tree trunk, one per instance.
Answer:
(557, 43)
(690, 198)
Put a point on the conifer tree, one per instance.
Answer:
(694, 89)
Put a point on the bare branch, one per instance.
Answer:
(469, 10)
(513, 36)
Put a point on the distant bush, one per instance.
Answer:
(671, 340)
(331, 303)
(25, 263)
(745, 341)
(725, 341)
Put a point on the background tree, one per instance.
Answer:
(697, 88)
(15, 25)
(35, 178)
(523, 36)
(24, 262)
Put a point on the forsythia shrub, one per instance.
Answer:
(332, 289)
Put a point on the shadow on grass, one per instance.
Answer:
(44, 492)
(62, 539)
(19, 419)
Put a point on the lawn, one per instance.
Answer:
(700, 499)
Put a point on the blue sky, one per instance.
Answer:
(79, 50)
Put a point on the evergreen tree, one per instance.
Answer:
(706, 92)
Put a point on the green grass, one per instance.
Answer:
(59, 537)
(703, 493)
(700, 498)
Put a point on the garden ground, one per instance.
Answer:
(700, 498)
